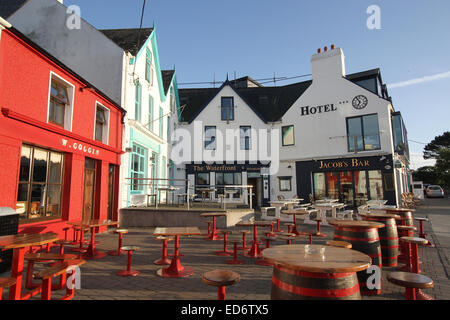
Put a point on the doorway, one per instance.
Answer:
(90, 172)
(257, 191)
(111, 188)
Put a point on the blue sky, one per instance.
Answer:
(260, 37)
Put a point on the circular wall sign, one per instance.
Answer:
(360, 102)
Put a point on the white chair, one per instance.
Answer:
(265, 215)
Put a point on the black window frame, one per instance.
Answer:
(293, 136)
(231, 108)
(204, 139)
(362, 133)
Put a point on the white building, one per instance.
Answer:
(315, 125)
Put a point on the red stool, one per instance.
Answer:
(288, 237)
(128, 272)
(65, 229)
(118, 252)
(221, 279)
(413, 244)
(6, 283)
(225, 251)
(412, 282)
(235, 260)
(318, 233)
(422, 234)
(403, 257)
(164, 260)
(289, 225)
(244, 245)
(278, 225)
(81, 241)
(209, 222)
(263, 262)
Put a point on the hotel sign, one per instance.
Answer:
(318, 109)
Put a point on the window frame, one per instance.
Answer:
(148, 66)
(285, 178)
(105, 126)
(249, 136)
(227, 108)
(205, 147)
(362, 133)
(140, 188)
(68, 109)
(138, 101)
(293, 136)
(151, 113)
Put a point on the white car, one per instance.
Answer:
(434, 191)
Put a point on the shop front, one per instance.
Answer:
(218, 176)
(353, 181)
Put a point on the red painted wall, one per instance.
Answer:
(24, 90)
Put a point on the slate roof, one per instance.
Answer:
(270, 103)
(167, 76)
(9, 7)
(127, 39)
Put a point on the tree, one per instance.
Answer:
(439, 142)
(426, 174)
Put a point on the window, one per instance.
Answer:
(227, 108)
(363, 133)
(375, 185)
(161, 123)
(138, 167)
(101, 124)
(40, 183)
(172, 100)
(210, 138)
(59, 100)
(137, 107)
(168, 129)
(287, 134)
(164, 167)
(150, 113)
(228, 178)
(285, 183)
(148, 66)
(245, 137)
(319, 185)
(203, 178)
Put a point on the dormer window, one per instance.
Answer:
(227, 109)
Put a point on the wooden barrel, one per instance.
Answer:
(388, 238)
(288, 284)
(364, 237)
(405, 214)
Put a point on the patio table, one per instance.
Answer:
(167, 190)
(302, 274)
(294, 214)
(254, 251)
(213, 215)
(175, 269)
(19, 243)
(324, 206)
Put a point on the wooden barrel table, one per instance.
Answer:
(388, 236)
(406, 215)
(364, 237)
(300, 274)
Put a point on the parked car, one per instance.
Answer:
(435, 191)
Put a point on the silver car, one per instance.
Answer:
(434, 191)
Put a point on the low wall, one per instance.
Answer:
(144, 217)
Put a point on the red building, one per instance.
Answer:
(60, 140)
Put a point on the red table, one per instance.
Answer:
(214, 215)
(19, 243)
(254, 251)
(175, 269)
(294, 214)
(92, 252)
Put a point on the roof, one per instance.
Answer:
(9, 7)
(270, 103)
(167, 76)
(128, 39)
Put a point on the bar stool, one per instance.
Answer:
(263, 262)
(61, 244)
(413, 245)
(65, 229)
(318, 233)
(81, 240)
(341, 244)
(6, 283)
(225, 251)
(244, 245)
(422, 234)
(128, 272)
(289, 225)
(278, 225)
(288, 237)
(164, 260)
(221, 279)
(118, 252)
(404, 231)
(235, 260)
(412, 282)
(209, 222)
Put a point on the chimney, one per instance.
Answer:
(61, 1)
(328, 63)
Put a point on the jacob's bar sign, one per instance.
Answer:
(344, 163)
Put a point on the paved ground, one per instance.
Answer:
(100, 282)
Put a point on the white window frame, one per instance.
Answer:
(105, 133)
(68, 114)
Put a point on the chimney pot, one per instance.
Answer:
(332, 46)
(319, 50)
(325, 49)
